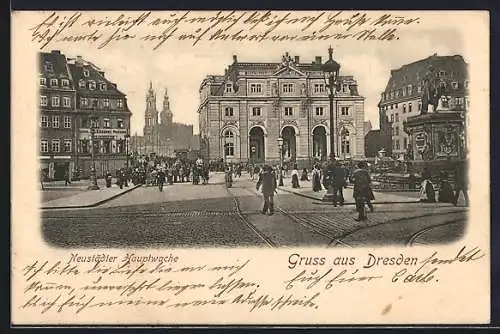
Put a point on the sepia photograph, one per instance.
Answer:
(250, 167)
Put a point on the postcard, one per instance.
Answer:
(250, 167)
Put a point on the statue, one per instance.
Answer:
(432, 91)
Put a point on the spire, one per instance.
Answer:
(150, 85)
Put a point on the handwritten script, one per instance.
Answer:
(156, 28)
(82, 283)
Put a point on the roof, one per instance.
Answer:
(96, 75)
(57, 62)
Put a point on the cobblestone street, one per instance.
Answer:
(185, 215)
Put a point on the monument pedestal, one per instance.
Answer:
(436, 141)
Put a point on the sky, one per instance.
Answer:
(182, 68)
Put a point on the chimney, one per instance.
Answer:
(318, 60)
(79, 60)
(56, 52)
(297, 59)
(235, 59)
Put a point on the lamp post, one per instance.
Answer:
(127, 136)
(280, 144)
(93, 176)
(331, 74)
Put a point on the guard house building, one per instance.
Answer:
(243, 113)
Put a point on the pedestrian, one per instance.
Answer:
(229, 177)
(316, 178)
(267, 180)
(304, 176)
(445, 194)
(462, 185)
(427, 192)
(67, 179)
(161, 179)
(362, 189)
(339, 182)
(295, 177)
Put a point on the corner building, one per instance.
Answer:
(402, 97)
(243, 113)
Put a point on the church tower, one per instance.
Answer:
(166, 114)
(150, 116)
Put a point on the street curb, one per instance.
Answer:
(93, 204)
(319, 199)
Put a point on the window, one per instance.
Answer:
(67, 145)
(66, 102)
(442, 74)
(396, 131)
(404, 91)
(256, 111)
(55, 101)
(106, 123)
(397, 144)
(228, 111)
(65, 82)
(43, 81)
(81, 83)
(466, 84)
(84, 123)
(86, 73)
(419, 106)
(410, 89)
(229, 88)
(344, 111)
(119, 103)
(288, 111)
(345, 88)
(119, 123)
(319, 111)
(229, 134)
(405, 143)
(56, 145)
(53, 82)
(55, 122)
(44, 121)
(419, 89)
(397, 93)
(454, 84)
(396, 106)
(229, 149)
(67, 122)
(404, 108)
(409, 107)
(48, 67)
(397, 117)
(92, 85)
(94, 122)
(103, 86)
(105, 103)
(392, 118)
(392, 106)
(255, 88)
(345, 149)
(84, 102)
(288, 88)
(44, 145)
(319, 88)
(43, 101)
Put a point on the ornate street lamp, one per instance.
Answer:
(93, 176)
(331, 75)
(280, 144)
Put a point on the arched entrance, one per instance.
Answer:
(289, 143)
(257, 153)
(319, 143)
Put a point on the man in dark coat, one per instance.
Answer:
(362, 189)
(267, 180)
(461, 183)
(339, 182)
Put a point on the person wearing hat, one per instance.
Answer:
(362, 191)
(267, 179)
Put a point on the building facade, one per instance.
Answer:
(402, 97)
(161, 135)
(57, 115)
(243, 113)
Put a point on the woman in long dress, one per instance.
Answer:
(304, 176)
(316, 178)
(295, 177)
(427, 192)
